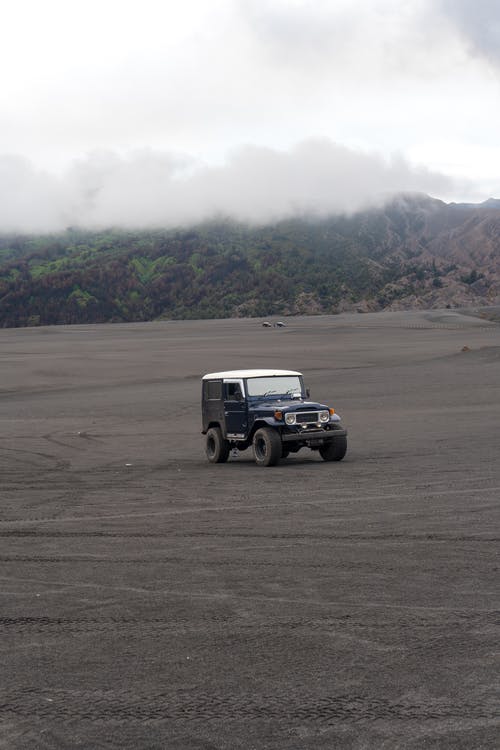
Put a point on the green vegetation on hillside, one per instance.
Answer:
(221, 269)
(218, 270)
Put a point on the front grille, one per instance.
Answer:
(307, 417)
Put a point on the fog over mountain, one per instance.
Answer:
(147, 188)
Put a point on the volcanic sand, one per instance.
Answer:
(150, 599)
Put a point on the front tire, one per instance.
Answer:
(267, 447)
(216, 447)
(334, 450)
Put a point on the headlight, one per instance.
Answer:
(324, 416)
(290, 418)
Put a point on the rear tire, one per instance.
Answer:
(216, 447)
(267, 447)
(334, 450)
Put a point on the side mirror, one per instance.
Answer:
(308, 393)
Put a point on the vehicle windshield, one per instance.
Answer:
(277, 385)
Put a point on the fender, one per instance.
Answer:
(264, 422)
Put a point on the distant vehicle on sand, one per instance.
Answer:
(279, 324)
(266, 324)
(269, 410)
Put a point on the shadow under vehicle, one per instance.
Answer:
(270, 411)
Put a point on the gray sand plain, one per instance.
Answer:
(152, 600)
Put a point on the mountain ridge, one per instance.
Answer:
(414, 252)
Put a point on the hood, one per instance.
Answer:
(286, 405)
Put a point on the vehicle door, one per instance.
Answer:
(212, 403)
(235, 408)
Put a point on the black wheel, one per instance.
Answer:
(267, 447)
(334, 450)
(216, 448)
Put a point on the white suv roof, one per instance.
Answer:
(236, 374)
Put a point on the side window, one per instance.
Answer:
(233, 391)
(213, 390)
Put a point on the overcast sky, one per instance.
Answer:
(155, 112)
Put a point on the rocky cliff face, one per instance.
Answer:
(442, 254)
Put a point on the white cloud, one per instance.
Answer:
(29, 199)
(479, 23)
(378, 76)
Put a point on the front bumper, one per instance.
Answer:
(315, 436)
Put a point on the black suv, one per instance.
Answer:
(269, 410)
